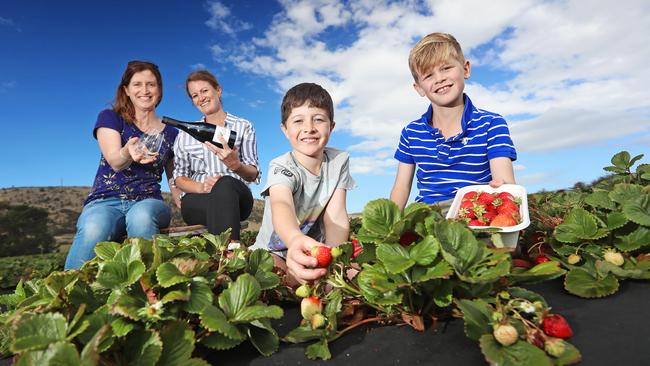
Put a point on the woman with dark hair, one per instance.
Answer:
(125, 197)
(215, 180)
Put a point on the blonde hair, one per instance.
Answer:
(432, 50)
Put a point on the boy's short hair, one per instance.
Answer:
(432, 50)
(297, 96)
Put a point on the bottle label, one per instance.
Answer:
(224, 133)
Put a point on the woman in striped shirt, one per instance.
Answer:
(215, 180)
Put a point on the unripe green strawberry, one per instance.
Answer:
(336, 252)
(310, 306)
(614, 257)
(573, 259)
(318, 321)
(505, 334)
(554, 347)
(323, 255)
(303, 291)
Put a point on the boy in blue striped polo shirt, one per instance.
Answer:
(454, 143)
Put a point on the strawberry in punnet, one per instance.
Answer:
(476, 222)
(469, 196)
(485, 198)
(408, 238)
(323, 255)
(489, 216)
(556, 326)
(505, 196)
(503, 220)
(466, 210)
(507, 206)
(310, 306)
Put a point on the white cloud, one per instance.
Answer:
(198, 66)
(535, 178)
(7, 85)
(221, 19)
(578, 71)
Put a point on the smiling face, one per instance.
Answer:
(204, 96)
(444, 83)
(308, 130)
(143, 90)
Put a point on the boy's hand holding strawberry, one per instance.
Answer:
(307, 259)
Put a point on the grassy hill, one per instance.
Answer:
(64, 205)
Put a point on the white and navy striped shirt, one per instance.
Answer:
(193, 160)
(444, 166)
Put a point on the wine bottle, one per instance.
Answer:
(204, 131)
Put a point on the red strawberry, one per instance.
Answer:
(476, 222)
(503, 220)
(408, 238)
(489, 216)
(556, 326)
(507, 206)
(503, 196)
(310, 306)
(485, 198)
(323, 255)
(357, 248)
(466, 210)
(542, 259)
(469, 196)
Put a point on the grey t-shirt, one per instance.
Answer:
(311, 195)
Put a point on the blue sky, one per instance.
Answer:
(569, 76)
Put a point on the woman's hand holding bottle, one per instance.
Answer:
(229, 156)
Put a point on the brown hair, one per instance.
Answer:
(432, 50)
(122, 104)
(201, 75)
(297, 96)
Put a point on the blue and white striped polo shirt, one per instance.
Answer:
(445, 166)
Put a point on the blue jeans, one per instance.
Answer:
(109, 219)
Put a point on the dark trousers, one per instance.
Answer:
(229, 202)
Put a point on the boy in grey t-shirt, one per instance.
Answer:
(306, 188)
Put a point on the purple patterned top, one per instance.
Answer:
(137, 181)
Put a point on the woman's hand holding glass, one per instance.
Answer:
(144, 150)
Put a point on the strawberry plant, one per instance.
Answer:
(413, 281)
(145, 303)
(603, 236)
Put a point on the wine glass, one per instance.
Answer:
(150, 142)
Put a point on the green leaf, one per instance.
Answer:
(441, 269)
(526, 294)
(176, 295)
(615, 220)
(579, 282)
(260, 260)
(425, 251)
(600, 199)
(243, 292)
(517, 354)
(458, 244)
(254, 312)
(394, 257)
(142, 348)
(90, 352)
(220, 342)
(267, 280)
(304, 333)
(477, 315)
(621, 160)
(121, 327)
(128, 305)
(169, 275)
(541, 272)
(37, 331)
(59, 354)
(264, 338)
(624, 192)
(638, 210)
(178, 344)
(375, 282)
(379, 216)
(579, 224)
(442, 294)
(200, 297)
(318, 350)
(604, 267)
(213, 319)
(106, 250)
(570, 356)
(634, 240)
